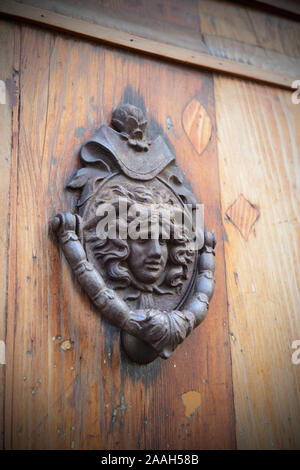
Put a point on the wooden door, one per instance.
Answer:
(66, 383)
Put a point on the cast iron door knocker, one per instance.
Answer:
(135, 243)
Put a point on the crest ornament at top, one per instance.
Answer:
(134, 244)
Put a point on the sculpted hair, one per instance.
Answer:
(112, 253)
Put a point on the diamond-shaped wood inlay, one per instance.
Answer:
(197, 124)
(243, 214)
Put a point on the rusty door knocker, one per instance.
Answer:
(134, 245)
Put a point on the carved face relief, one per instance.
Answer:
(148, 259)
(154, 268)
(129, 246)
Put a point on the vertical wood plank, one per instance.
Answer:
(89, 395)
(9, 99)
(258, 145)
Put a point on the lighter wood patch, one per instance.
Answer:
(2, 92)
(66, 345)
(2, 353)
(191, 401)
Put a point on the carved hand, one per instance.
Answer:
(162, 330)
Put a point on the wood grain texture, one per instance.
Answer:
(7, 51)
(249, 36)
(69, 385)
(215, 34)
(258, 146)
